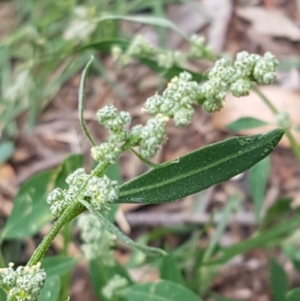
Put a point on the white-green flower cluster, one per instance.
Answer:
(141, 47)
(152, 136)
(100, 191)
(113, 286)
(24, 283)
(176, 101)
(168, 58)
(97, 241)
(149, 137)
(59, 199)
(198, 47)
(106, 152)
(112, 119)
(236, 77)
(283, 119)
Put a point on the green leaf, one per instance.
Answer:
(221, 298)
(160, 290)
(6, 150)
(245, 123)
(259, 240)
(51, 290)
(199, 170)
(290, 247)
(276, 212)
(101, 274)
(293, 295)
(170, 72)
(224, 217)
(144, 19)
(257, 179)
(113, 172)
(298, 128)
(30, 211)
(289, 63)
(278, 281)
(150, 251)
(58, 265)
(169, 270)
(106, 45)
(81, 98)
(3, 295)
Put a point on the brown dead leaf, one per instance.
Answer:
(188, 17)
(7, 174)
(7, 178)
(270, 22)
(253, 106)
(220, 12)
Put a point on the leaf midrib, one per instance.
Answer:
(188, 174)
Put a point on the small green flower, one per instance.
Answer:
(107, 152)
(97, 241)
(152, 136)
(241, 87)
(264, 70)
(24, 283)
(102, 191)
(112, 119)
(113, 286)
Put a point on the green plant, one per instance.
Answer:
(97, 193)
(50, 42)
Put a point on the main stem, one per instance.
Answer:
(69, 214)
(289, 135)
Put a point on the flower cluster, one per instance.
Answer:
(176, 101)
(168, 58)
(236, 77)
(148, 137)
(101, 191)
(141, 47)
(198, 47)
(59, 199)
(24, 283)
(97, 241)
(113, 286)
(152, 136)
(106, 152)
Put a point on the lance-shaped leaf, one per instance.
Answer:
(150, 251)
(199, 170)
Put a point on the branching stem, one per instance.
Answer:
(294, 146)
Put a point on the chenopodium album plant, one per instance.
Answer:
(94, 191)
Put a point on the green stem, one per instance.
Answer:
(265, 99)
(81, 101)
(293, 143)
(294, 146)
(2, 262)
(69, 214)
(148, 163)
